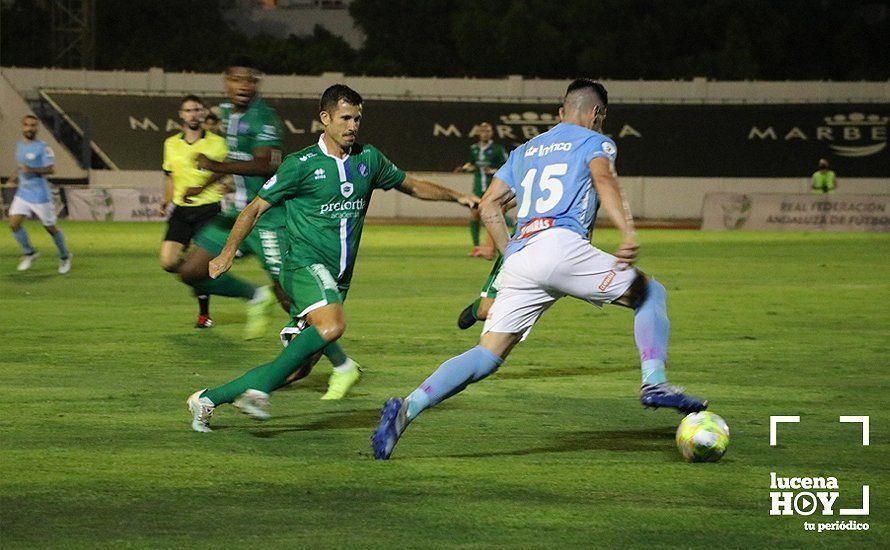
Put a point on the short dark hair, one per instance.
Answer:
(588, 84)
(26, 117)
(191, 97)
(332, 96)
(242, 60)
(211, 116)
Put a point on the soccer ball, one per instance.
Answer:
(702, 437)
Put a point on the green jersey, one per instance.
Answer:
(492, 157)
(246, 131)
(327, 199)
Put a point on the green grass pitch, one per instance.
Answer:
(553, 451)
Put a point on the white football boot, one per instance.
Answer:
(65, 264)
(27, 261)
(253, 403)
(202, 409)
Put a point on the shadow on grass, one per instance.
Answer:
(348, 420)
(28, 277)
(645, 440)
(549, 372)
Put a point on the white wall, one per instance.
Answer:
(649, 198)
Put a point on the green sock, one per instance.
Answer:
(226, 285)
(270, 376)
(475, 308)
(335, 354)
(474, 231)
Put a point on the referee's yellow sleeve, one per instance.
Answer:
(166, 166)
(218, 150)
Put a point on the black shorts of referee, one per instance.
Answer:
(186, 221)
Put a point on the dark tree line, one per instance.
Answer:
(618, 39)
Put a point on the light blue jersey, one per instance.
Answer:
(550, 176)
(34, 188)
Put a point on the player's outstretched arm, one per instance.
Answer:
(243, 226)
(265, 162)
(605, 179)
(491, 211)
(429, 191)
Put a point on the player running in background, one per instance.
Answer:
(558, 178)
(327, 188)
(190, 213)
(35, 161)
(252, 134)
(485, 157)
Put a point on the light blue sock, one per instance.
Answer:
(651, 328)
(60, 244)
(452, 377)
(21, 237)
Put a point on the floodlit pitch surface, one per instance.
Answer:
(554, 450)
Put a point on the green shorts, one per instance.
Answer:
(267, 244)
(490, 289)
(310, 288)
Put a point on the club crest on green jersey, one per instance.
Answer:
(346, 189)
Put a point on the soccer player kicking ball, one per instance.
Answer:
(326, 189)
(558, 178)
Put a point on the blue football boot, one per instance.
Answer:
(666, 395)
(393, 421)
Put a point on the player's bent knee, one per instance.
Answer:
(331, 330)
(636, 293)
(192, 272)
(329, 321)
(170, 266)
(500, 343)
